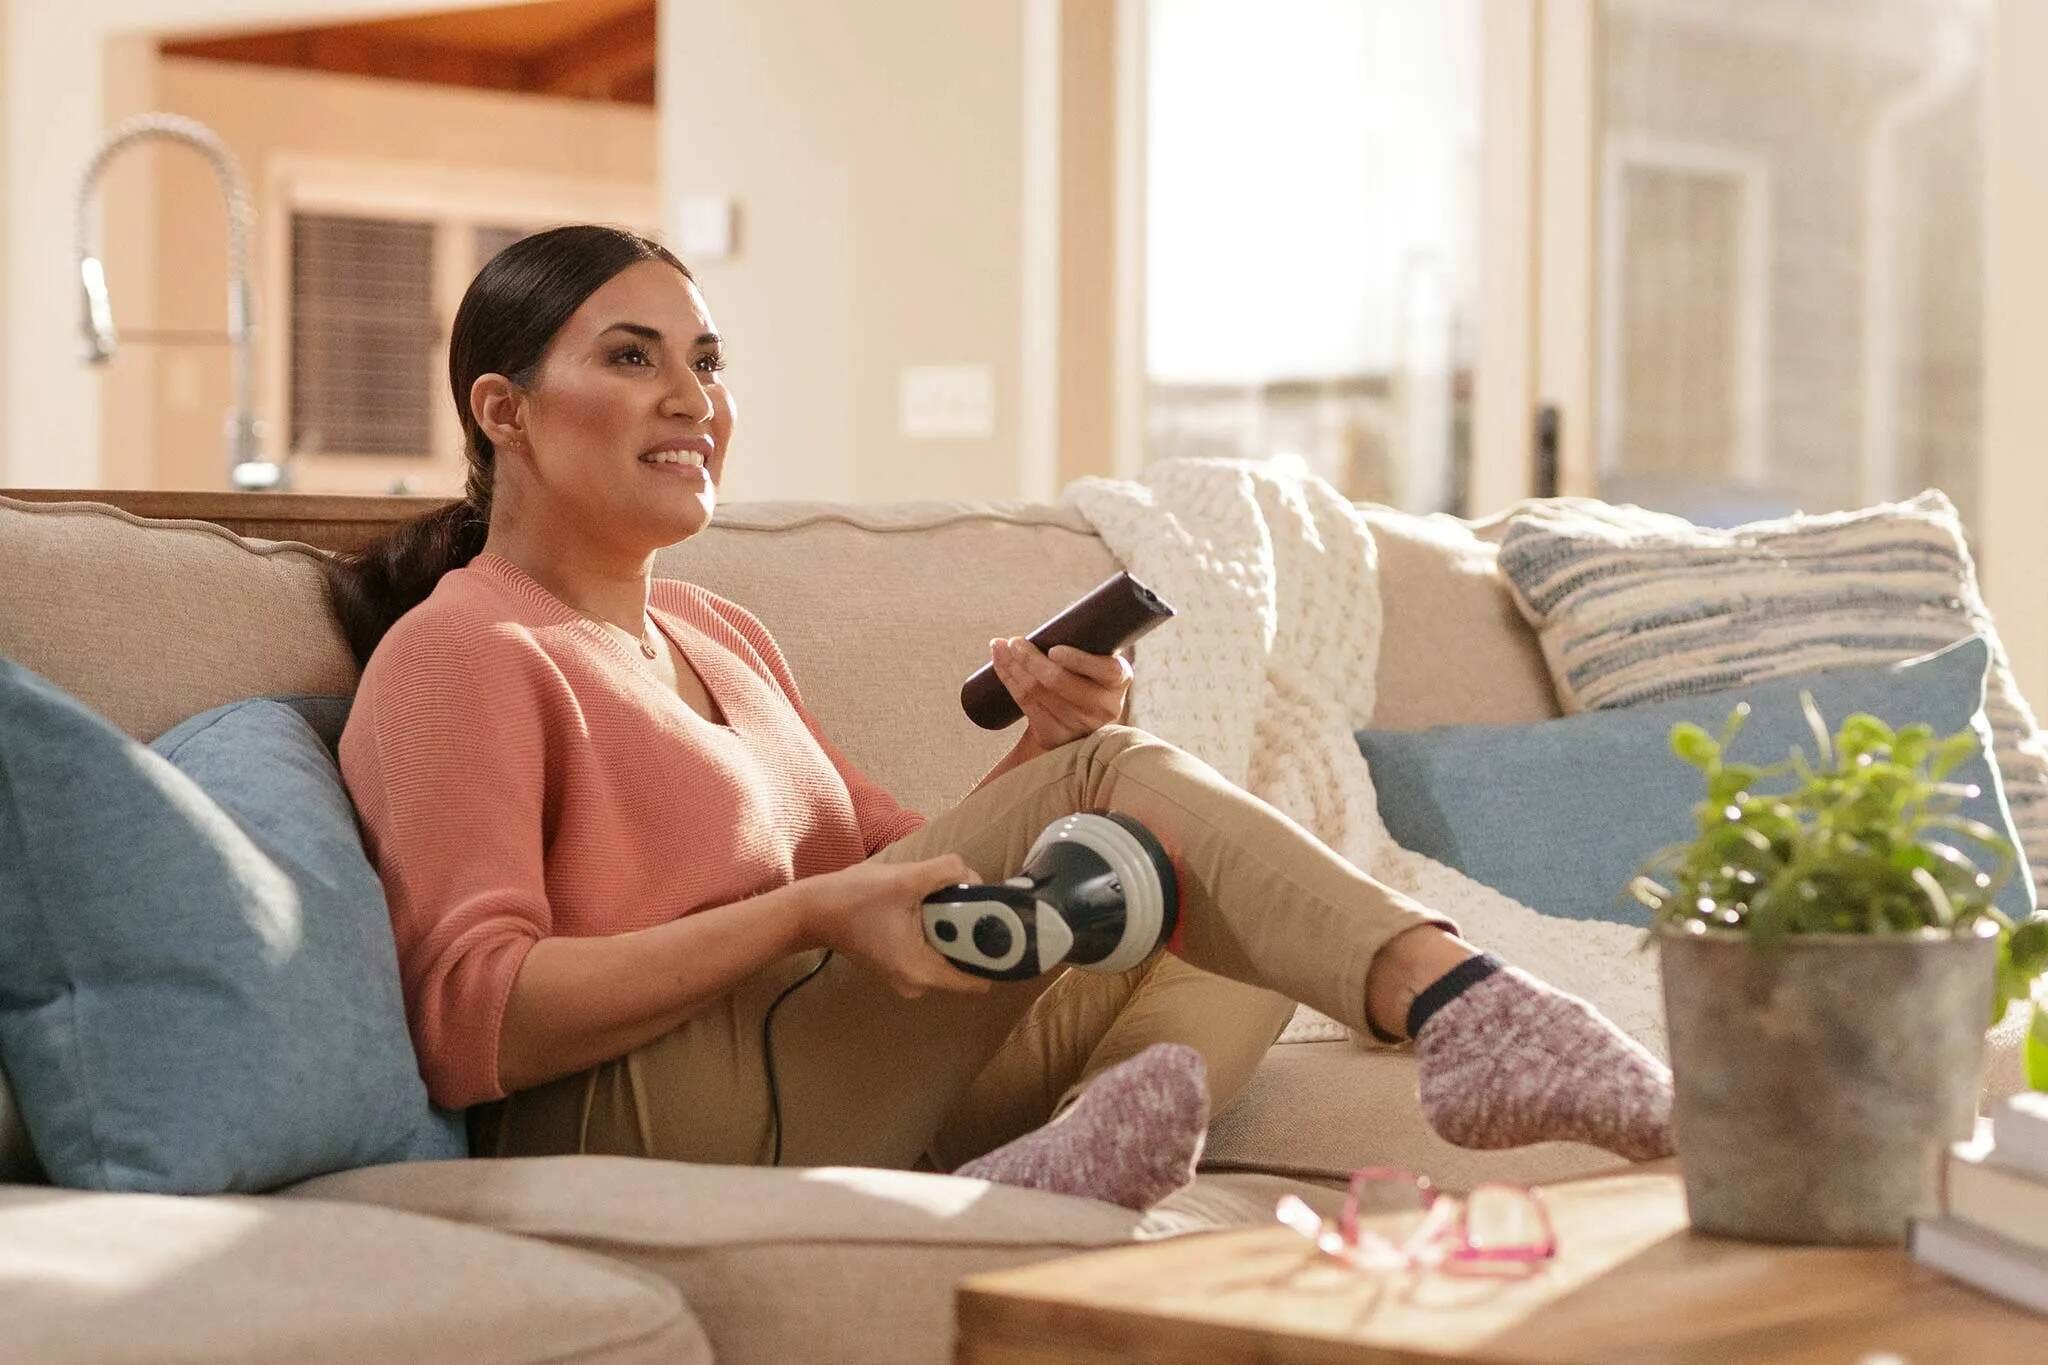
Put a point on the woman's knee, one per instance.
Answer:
(1113, 739)
(1093, 754)
(1113, 749)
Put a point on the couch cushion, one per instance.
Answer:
(915, 591)
(884, 610)
(943, 577)
(774, 1263)
(1485, 799)
(17, 1157)
(115, 1278)
(1320, 1110)
(148, 622)
(199, 991)
(1453, 648)
(1634, 606)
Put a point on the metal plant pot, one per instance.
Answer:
(1819, 1083)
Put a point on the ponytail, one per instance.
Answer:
(371, 588)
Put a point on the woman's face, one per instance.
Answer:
(628, 398)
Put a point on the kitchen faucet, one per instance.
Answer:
(247, 468)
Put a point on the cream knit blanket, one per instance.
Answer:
(1269, 667)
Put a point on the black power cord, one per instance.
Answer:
(768, 1054)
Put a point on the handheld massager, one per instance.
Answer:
(1097, 891)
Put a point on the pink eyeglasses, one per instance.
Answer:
(1494, 1230)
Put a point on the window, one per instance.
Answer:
(1311, 242)
(368, 348)
(369, 261)
(363, 335)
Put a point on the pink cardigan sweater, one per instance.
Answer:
(518, 774)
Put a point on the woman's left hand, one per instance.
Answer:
(1064, 695)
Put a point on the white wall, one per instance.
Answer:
(461, 151)
(2012, 548)
(874, 150)
(6, 203)
(53, 108)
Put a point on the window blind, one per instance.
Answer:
(365, 340)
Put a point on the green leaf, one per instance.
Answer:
(1861, 734)
(1937, 898)
(1868, 841)
(1911, 744)
(1694, 745)
(1734, 724)
(2028, 946)
(1956, 749)
(1822, 745)
(2009, 983)
(1731, 781)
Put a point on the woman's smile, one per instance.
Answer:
(681, 468)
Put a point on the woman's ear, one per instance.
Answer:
(499, 407)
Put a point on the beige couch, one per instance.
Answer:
(882, 611)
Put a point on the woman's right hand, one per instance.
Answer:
(874, 913)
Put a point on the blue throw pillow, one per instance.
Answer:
(1561, 814)
(198, 989)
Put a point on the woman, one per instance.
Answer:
(614, 840)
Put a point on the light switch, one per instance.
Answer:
(704, 227)
(947, 400)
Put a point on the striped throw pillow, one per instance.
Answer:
(1634, 606)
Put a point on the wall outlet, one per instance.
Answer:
(947, 400)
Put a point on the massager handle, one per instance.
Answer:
(1030, 937)
(1108, 618)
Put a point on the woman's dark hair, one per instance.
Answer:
(512, 310)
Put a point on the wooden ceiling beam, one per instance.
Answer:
(637, 89)
(618, 53)
(347, 51)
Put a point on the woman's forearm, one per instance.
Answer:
(577, 1002)
(1026, 749)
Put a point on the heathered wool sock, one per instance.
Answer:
(1132, 1137)
(1508, 1060)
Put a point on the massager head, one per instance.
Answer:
(1097, 890)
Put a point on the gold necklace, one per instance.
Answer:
(645, 647)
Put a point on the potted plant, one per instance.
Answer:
(1831, 957)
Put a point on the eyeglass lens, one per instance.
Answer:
(1498, 1218)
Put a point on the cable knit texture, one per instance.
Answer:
(519, 774)
(1267, 672)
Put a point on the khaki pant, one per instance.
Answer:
(867, 1078)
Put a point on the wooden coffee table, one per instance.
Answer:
(1631, 1283)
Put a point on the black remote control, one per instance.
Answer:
(1107, 619)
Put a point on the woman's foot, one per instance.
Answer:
(1506, 1060)
(1132, 1137)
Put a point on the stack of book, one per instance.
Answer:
(1993, 1228)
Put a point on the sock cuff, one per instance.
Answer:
(1449, 987)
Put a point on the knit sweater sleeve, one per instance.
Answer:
(445, 758)
(883, 820)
